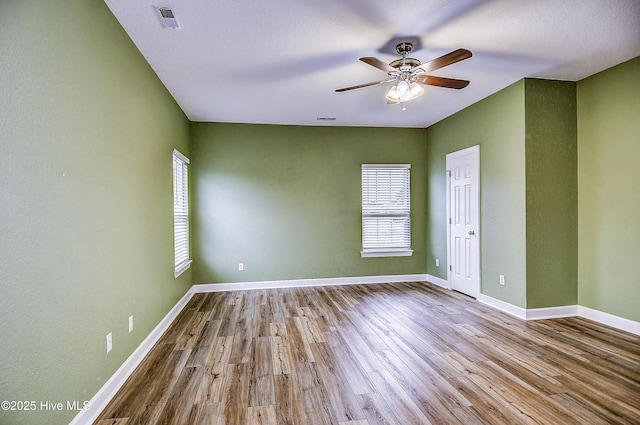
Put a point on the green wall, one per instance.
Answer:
(559, 190)
(86, 130)
(551, 193)
(608, 190)
(497, 124)
(286, 200)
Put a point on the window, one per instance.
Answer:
(386, 222)
(180, 212)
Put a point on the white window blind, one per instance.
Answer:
(386, 223)
(180, 212)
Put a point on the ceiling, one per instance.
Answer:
(279, 62)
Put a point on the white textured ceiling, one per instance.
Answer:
(279, 61)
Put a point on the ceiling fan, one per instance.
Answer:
(409, 73)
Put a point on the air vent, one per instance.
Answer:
(168, 18)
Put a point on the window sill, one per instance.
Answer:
(181, 268)
(390, 252)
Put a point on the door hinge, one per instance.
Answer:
(449, 220)
(450, 268)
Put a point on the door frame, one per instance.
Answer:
(476, 151)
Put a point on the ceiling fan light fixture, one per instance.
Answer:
(404, 92)
(408, 74)
(402, 89)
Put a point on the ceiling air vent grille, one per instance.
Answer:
(168, 18)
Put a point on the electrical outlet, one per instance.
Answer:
(437, 262)
(109, 342)
(502, 279)
(240, 267)
(130, 323)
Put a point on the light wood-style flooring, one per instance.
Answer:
(377, 354)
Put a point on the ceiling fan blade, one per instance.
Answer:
(445, 60)
(450, 83)
(359, 86)
(377, 63)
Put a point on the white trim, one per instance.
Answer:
(465, 151)
(181, 268)
(296, 283)
(443, 283)
(386, 165)
(183, 158)
(447, 220)
(610, 320)
(503, 306)
(389, 252)
(532, 313)
(104, 395)
(552, 312)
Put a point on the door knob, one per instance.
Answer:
(471, 233)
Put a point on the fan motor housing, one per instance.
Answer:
(405, 64)
(407, 61)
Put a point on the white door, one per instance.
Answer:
(463, 169)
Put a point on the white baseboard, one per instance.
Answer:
(563, 311)
(109, 389)
(519, 312)
(552, 312)
(610, 320)
(505, 307)
(443, 283)
(297, 283)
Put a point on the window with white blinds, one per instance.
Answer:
(386, 211)
(181, 212)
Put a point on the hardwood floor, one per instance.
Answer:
(377, 354)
